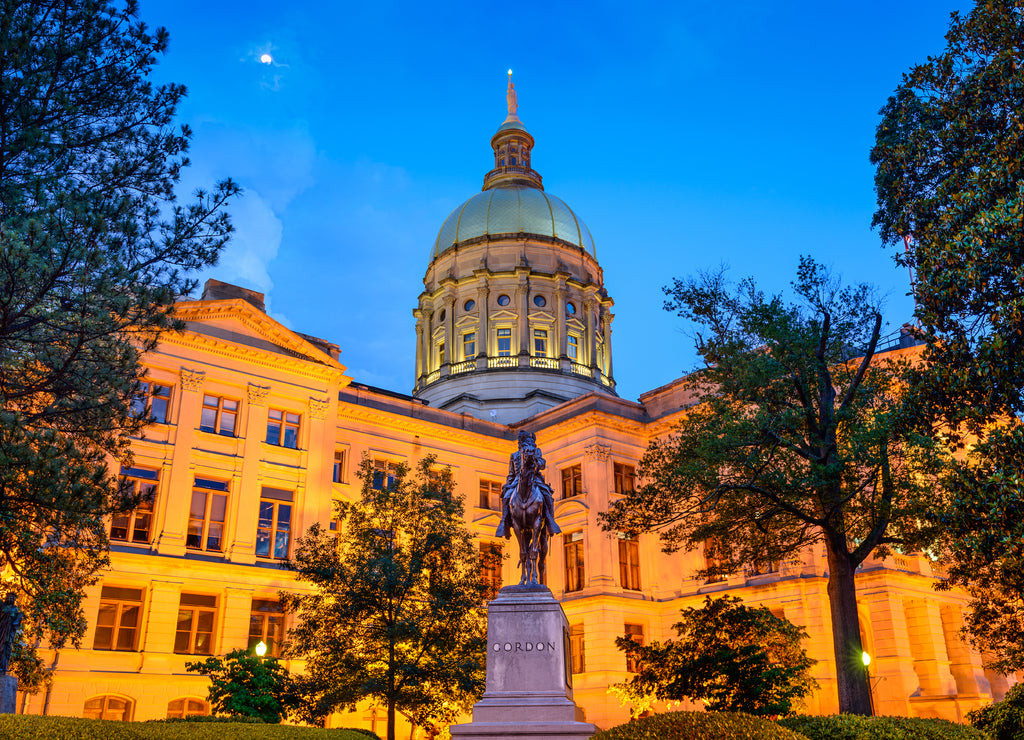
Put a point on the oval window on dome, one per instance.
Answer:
(570, 308)
(503, 300)
(441, 316)
(469, 305)
(540, 301)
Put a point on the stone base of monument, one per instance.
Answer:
(529, 676)
(8, 694)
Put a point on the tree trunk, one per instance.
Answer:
(851, 674)
(391, 720)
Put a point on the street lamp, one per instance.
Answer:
(865, 658)
(261, 649)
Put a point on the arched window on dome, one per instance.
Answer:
(512, 161)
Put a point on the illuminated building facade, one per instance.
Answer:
(258, 430)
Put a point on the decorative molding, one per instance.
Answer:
(258, 394)
(192, 380)
(318, 407)
(597, 451)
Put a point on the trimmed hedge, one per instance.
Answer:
(31, 727)
(1003, 720)
(699, 726)
(856, 727)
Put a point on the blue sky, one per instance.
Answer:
(686, 135)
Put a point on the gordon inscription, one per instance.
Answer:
(522, 647)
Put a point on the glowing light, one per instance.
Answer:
(266, 59)
(261, 648)
(510, 73)
(866, 658)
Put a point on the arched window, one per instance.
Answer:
(187, 707)
(109, 707)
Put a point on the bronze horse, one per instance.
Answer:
(526, 509)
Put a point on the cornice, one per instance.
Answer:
(424, 427)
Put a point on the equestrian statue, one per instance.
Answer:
(528, 509)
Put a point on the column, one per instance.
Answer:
(602, 551)
(608, 316)
(419, 345)
(591, 339)
(177, 491)
(235, 612)
(160, 620)
(449, 329)
(928, 646)
(244, 504)
(314, 505)
(964, 663)
(523, 302)
(558, 338)
(893, 679)
(426, 349)
(484, 348)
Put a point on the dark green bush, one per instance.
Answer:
(242, 719)
(1003, 720)
(699, 726)
(855, 727)
(30, 727)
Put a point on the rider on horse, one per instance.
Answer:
(527, 459)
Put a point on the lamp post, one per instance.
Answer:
(261, 649)
(865, 657)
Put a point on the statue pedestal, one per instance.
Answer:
(529, 677)
(8, 694)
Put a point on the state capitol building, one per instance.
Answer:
(258, 431)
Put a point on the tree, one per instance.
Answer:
(242, 684)
(94, 250)
(796, 439)
(949, 153)
(732, 657)
(397, 611)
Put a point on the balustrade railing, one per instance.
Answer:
(502, 362)
(546, 362)
(462, 367)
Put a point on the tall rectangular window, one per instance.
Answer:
(635, 632)
(629, 563)
(540, 342)
(490, 566)
(266, 625)
(207, 515)
(574, 573)
(338, 474)
(579, 663)
(572, 481)
(283, 428)
(490, 494)
(504, 342)
(275, 523)
(440, 353)
(572, 347)
(154, 397)
(136, 525)
(219, 416)
(469, 345)
(118, 620)
(716, 561)
(194, 634)
(384, 473)
(624, 477)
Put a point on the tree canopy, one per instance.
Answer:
(732, 657)
(244, 685)
(94, 250)
(796, 439)
(397, 614)
(949, 153)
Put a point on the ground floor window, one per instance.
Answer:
(109, 707)
(187, 707)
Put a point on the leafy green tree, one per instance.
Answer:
(94, 250)
(732, 657)
(795, 439)
(949, 153)
(397, 613)
(1003, 720)
(242, 684)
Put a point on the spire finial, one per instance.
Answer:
(510, 95)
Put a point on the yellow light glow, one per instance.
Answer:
(261, 648)
(510, 73)
(866, 658)
(266, 59)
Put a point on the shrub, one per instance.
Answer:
(31, 727)
(855, 727)
(1003, 720)
(699, 726)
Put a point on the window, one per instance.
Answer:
(283, 428)
(181, 708)
(625, 478)
(156, 398)
(338, 475)
(634, 632)
(715, 562)
(490, 566)
(539, 301)
(469, 345)
(570, 308)
(512, 160)
(440, 353)
(629, 563)
(504, 300)
(117, 623)
(194, 635)
(135, 526)
(574, 573)
(576, 648)
(219, 415)
(572, 481)
(266, 625)
(490, 494)
(109, 707)
(275, 523)
(384, 473)
(572, 347)
(469, 305)
(207, 515)
(540, 342)
(505, 342)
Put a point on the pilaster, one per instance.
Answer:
(178, 490)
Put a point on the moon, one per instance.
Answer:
(266, 59)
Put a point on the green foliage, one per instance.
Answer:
(950, 171)
(242, 684)
(1003, 720)
(796, 438)
(31, 671)
(32, 727)
(398, 608)
(854, 727)
(735, 658)
(94, 250)
(698, 726)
